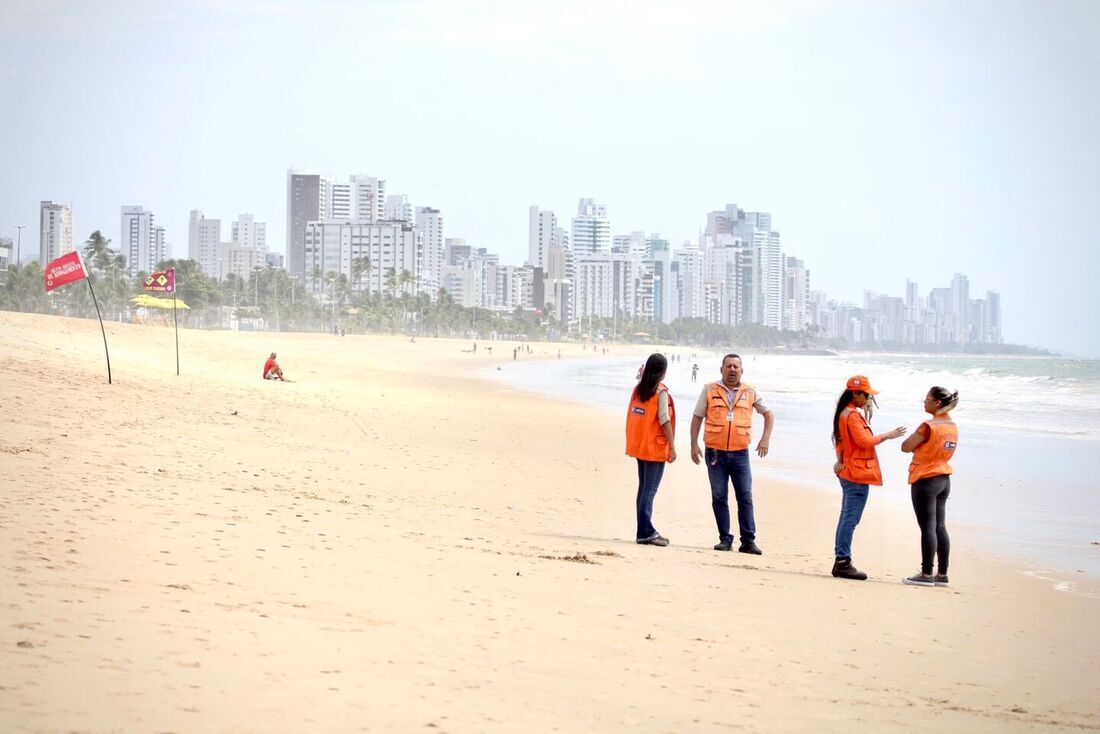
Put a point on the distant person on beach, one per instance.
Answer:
(272, 370)
(650, 438)
(726, 409)
(932, 445)
(856, 466)
(695, 372)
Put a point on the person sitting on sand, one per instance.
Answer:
(272, 370)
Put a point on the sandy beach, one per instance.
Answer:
(394, 542)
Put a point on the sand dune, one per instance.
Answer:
(393, 542)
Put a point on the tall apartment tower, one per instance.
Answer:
(55, 236)
(306, 195)
(370, 198)
(247, 232)
(591, 229)
(398, 208)
(141, 241)
(429, 227)
(204, 243)
(542, 233)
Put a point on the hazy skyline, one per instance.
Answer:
(888, 140)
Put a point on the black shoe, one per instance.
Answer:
(658, 540)
(725, 545)
(750, 547)
(940, 579)
(843, 569)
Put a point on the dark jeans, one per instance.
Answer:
(722, 468)
(852, 502)
(649, 478)
(930, 504)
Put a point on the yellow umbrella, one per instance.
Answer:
(149, 301)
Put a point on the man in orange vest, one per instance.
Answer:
(725, 408)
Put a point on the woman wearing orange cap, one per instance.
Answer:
(932, 445)
(650, 433)
(856, 466)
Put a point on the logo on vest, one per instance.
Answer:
(637, 411)
(949, 444)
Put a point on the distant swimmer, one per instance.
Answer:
(856, 466)
(272, 370)
(725, 410)
(650, 438)
(932, 445)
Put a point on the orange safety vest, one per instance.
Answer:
(728, 428)
(859, 465)
(931, 457)
(644, 438)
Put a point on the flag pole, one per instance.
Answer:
(177, 325)
(101, 329)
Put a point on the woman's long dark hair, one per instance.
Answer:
(652, 373)
(844, 402)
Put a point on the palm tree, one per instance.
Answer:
(360, 266)
(391, 282)
(98, 252)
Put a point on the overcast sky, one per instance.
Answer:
(887, 139)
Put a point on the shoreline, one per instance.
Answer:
(395, 542)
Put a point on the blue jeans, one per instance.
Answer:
(649, 478)
(722, 468)
(851, 510)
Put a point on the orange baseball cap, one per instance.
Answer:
(860, 383)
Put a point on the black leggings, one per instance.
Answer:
(929, 501)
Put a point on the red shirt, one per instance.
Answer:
(268, 365)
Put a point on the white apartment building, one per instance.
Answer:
(429, 228)
(55, 236)
(542, 234)
(605, 286)
(796, 295)
(398, 208)
(370, 198)
(141, 241)
(591, 233)
(692, 277)
(336, 246)
(768, 286)
(6, 253)
(204, 243)
(247, 232)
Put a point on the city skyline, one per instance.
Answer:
(918, 164)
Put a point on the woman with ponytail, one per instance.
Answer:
(932, 445)
(650, 434)
(856, 466)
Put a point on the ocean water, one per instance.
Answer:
(1028, 464)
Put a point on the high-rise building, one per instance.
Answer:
(692, 277)
(398, 208)
(429, 228)
(306, 201)
(370, 198)
(542, 234)
(591, 229)
(141, 241)
(796, 295)
(347, 247)
(204, 243)
(55, 231)
(247, 232)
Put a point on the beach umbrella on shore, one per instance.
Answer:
(147, 301)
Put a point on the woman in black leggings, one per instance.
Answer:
(932, 445)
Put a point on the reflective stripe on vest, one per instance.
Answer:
(644, 438)
(931, 458)
(719, 431)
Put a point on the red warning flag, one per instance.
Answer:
(163, 282)
(66, 269)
